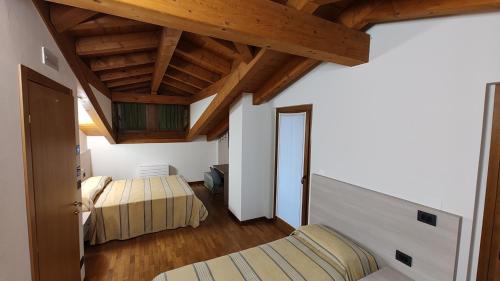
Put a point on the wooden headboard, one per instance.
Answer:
(385, 225)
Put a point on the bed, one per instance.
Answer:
(125, 209)
(312, 252)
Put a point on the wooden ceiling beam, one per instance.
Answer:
(210, 90)
(284, 77)
(202, 57)
(107, 24)
(105, 45)
(245, 54)
(66, 46)
(186, 78)
(215, 45)
(128, 81)
(149, 99)
(125, 73)
(219, 130)
(120, 61)
(368, 12)
(137, 87)
(259, 23)
(194, 70)
(309, 6)
(169, 90)
(168, 43)
(233, 86)
(180, 85)
(67, 17)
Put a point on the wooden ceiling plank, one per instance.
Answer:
(210, 90)
(367, 12)
(203, 57)
(149, 99)
(169, 90)
(128, 81)
(137, 87)
(104, 45)
(67, 17)
(259, 23)
(186, 78)
(107, 24)
(120, 61)
(179, 85)
(219, 130)
(215, 45)
(168, 43)
(194, 70)
(244, 51)
(126, 73)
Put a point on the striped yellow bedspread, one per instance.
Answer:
(312, 252)
(130, 208)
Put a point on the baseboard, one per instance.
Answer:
(283, 226)
(247, 222)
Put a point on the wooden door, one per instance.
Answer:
(53, 196)
(489, 258)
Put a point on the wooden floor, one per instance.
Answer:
(142, 258)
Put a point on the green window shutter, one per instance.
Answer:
(132, 117)
(173, 117)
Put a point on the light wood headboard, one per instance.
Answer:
(385, 224)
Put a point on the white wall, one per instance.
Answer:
(408, 123)
(250, 159)
(23, 33)
(197, 108)
(190, 159)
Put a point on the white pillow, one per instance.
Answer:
(91, 187)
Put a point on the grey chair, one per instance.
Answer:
(213, 181)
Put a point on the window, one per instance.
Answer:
(131, 117)
(134, 117)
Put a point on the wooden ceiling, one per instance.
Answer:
(144, 52)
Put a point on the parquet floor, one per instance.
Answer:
(142, 258)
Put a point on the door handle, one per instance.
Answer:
(303, 180)
(77, 204)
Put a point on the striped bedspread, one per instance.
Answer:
(130, 208)
(312, 252)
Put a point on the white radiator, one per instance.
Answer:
(152, 170)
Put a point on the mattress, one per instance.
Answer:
(312, 252)
(129, 208)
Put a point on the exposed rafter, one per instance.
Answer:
(104, 45)
(219, 130)
(210, 90)
(168, 42)
(203, 57)
(194, 70)
(309, 6)
(126, 72)
(128, 81)
(187, 79)
(119, 61)
(66, 17)
(254, 22)
(367, 12)
(245, 54)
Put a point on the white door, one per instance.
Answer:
(290, 167)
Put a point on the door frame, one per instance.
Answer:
(26, 75)
(305, 108)
(492, 192)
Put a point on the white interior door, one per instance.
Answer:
(290, 167)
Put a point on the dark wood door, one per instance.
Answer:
(52, 140)
(489, 257)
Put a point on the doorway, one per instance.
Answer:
(489, 257)
(292, 166)
(52, 195)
